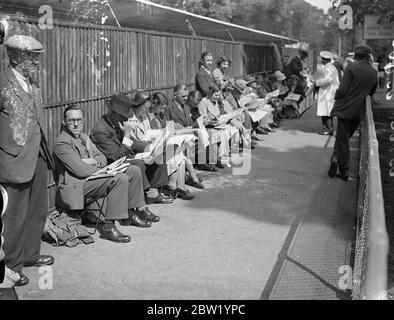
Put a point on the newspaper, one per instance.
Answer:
(223, 119)
(118, 166)
(203, 134)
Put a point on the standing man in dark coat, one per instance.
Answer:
(204, 77)
(359, 80)
(24, 157)
(295, 65)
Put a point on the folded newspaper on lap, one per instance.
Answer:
(157, 147)
(223, 119)
(203, 134)
(272, 94)
(111, 170)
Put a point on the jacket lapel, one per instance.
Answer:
(23, 96)
(180, 114)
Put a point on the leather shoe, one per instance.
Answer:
(113, 234)
(205, 167)
(343, 175)
(196, 184)
(184, 194)
(43, 260)
(159, 199)
(332, 171)
(219, 165)
(23, 280)
(135, 220)
(147, 215)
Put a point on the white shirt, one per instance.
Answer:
(22, 80)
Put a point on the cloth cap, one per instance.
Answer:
(362, 50)
(326, 55)
(23, 43)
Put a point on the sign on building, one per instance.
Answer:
(374, 30)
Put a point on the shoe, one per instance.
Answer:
(159, 199)
(220, 166)
(261, 131)
(332, 171)
(206, 167)
(43, 260)
(184, 194)
(343, 175)
(135, 220)
(269, 129)
(324, 132)
(274, 124)
(23, 280)
(196, 184)
(113, 234)
(147, 215)
(257, 137)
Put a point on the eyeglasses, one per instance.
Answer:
(73, 121)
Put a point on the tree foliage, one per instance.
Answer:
(296, 19)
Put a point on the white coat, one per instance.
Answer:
(328, 85)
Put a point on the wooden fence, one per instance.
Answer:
(86, 64)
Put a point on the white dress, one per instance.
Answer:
(328, 85)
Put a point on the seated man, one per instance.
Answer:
(76, 159)
(113, 135)
(178, 111)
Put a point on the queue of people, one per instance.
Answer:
(160, 142)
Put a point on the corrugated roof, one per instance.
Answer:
(146, 15)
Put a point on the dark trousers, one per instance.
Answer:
(24, 219)
(8, 294)
(153, 175)
(345, 130)
(124, 191)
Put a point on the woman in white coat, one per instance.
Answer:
(327, 85)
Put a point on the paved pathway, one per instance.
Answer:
(225, 243)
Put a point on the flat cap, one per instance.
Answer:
(23, 43)
(362, 50)
(326, 55)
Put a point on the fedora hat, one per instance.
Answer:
(120, 104)
(139, 98)
(279, 75)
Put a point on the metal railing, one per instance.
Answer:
(370, 266)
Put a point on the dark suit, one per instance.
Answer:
(24, 159)
(123, 191)
(108, 139)
(294, 67)
(204, 80)
(181, 117)
(359, 80)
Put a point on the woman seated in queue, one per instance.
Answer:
(176, 167)
(158, 120)
(211, 108)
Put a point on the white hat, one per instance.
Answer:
(23, 43)
(326, 55)
(279, 75)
